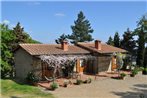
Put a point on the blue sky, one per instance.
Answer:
(45, 21)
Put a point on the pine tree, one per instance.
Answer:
(145, 58)
(116, 40)
(61, 39)
(141, 31)
(20, 35)
(110, 41)
(81, 30)
(128, 43)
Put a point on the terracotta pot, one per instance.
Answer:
(132, 75)
(65, 85)
(123, 78)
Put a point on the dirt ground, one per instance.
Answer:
(131, 87)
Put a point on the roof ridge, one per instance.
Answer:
(43, 44)
(37, 44)
(89, 43)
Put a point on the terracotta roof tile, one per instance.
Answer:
(104, 48)
(46, 49)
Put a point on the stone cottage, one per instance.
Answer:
(27, 57)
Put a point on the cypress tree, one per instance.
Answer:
(116, 40)
(141, 31)
(110, 41)
(128, 43)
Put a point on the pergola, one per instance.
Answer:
(62, 61)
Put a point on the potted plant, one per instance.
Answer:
(31, 79)
(144, 72)
(54, 86)
(134, 72)
(141, 69)
(88, 80)
(122, 76)
(65, 84)
(78, 81)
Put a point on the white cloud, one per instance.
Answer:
(12, 26)
(6, 22)
(60, 14)
(34, 3)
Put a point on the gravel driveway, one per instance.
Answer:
(107, 88)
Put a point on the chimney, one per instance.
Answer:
(64, 45)
(98, 44)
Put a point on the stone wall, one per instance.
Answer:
(23, 63)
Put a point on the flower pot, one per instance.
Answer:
(123, 78)
(144, 72)
(132, 75)
(65, 85)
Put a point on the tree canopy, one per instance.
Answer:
(128, 43)
(81, 30)
(61, 39)
(9, 41)
(116, 40)
(141, 32)
(110, 41)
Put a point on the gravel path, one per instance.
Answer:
(107, 88)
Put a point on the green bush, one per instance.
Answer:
(145, 69)
(141, 69)
(122, 74)
(31, 77)
(89, 80)
(54, 86)
(78, 82)
(134, 72)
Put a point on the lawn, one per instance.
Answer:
(11, 89)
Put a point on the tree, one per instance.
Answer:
(20, 35)
(61, 39)
(145, 58)
(81, 30)
(128, 43)
(141, 31)
(110, 41)
(6, 54)
(116, 40)
(9, 41)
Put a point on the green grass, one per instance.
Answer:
(11, 89)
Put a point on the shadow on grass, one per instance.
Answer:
(139, 91)
(117, 78)
(15, 97)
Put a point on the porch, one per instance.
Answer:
(97, 77)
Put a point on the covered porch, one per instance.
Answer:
(66, 66)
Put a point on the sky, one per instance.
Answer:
(45, 21)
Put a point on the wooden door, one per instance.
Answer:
(46, 71)
(80, 66)
(114, 66)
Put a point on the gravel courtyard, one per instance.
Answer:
(107, 88)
